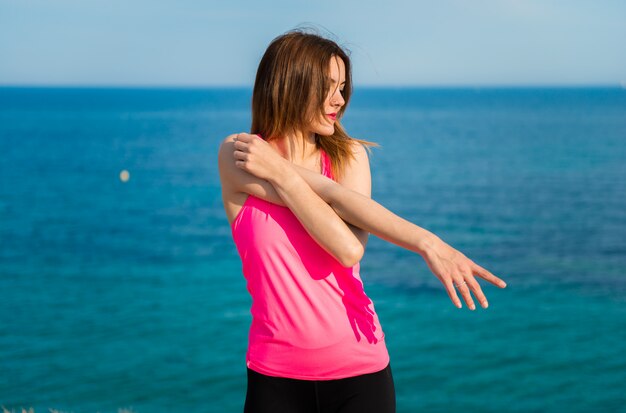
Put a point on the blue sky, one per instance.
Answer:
(397, 42)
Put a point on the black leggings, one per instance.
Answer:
(372, 392)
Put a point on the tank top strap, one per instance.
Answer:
(327, 169)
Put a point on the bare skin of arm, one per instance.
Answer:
(449, 265)
(275, 181)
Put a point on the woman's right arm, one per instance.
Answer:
(269, 176)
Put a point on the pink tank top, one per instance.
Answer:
(311, 318)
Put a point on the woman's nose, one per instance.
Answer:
(337, 99)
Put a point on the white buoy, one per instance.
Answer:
(124, 176)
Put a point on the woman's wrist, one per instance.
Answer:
(424, 241)
(284, 177)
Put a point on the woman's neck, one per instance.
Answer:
(298, 147)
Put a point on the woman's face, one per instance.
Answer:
(325, 126)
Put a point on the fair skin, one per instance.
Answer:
(287, 172)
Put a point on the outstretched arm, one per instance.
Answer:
(449, 265)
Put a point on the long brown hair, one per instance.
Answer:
(290, 89)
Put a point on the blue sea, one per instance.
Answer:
(130, 294)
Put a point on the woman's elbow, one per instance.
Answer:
(351, 255)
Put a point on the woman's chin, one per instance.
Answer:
(326, 131)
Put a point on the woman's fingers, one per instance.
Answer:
(478, 292)
(463, 288)
(241, 146)
(239, 153)
(240, 159)
(256, 156)
(245, 137)
(240, 156)
(448, 283)
(486, 275)
(456, 271)
(437, 268)
(466, 287)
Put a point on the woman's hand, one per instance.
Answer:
(456, 270)
(255, 156)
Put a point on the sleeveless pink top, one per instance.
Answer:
(311, 318)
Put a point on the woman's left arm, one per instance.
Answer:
(452, 267)
(449, 265)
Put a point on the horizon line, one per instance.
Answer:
(618, 85)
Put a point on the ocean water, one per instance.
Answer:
(130, 294)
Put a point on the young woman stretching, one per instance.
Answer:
(297, 194)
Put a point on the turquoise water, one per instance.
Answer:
(131, 294)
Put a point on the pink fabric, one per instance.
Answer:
(311, 318)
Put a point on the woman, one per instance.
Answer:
(297, 194)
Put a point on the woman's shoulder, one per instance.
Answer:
(226, 160)
(357, 175)
(229, 139)
(359, 153)
(226, 148)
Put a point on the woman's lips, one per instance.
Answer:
(333, 116)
